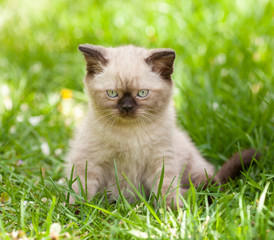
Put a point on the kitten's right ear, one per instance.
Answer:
(95, 58)
(161, 61)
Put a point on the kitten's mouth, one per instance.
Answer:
(127, 116)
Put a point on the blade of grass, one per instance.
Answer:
(48, 221)
(262, 199)
(124, 202)
(109, 213)
(161, 180)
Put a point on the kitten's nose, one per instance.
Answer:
(127, 104)
(127, 107)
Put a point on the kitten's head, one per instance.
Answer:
(128, 83)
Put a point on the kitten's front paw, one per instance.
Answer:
(174, 200)
(173, 203)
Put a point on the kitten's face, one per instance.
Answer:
(127, 84)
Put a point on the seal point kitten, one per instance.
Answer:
(131, 119)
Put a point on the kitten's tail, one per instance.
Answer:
(233, 167)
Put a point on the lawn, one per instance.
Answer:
(224, 98)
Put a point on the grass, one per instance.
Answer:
(224, 99)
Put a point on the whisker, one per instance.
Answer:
(103, 117)
(107, 122)
(148, 118)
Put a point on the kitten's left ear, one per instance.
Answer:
(161, 61)
(95, 57)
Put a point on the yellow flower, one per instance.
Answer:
(66, 93)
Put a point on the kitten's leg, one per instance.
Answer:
(152, 178)
(95, 178)
(200, 172)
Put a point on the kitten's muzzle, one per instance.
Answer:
(127, 108)
(127, 105)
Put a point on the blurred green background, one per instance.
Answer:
(223, 69)
(210, 37)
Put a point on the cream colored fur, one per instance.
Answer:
(138, 146)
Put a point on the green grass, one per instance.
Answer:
(224, 98)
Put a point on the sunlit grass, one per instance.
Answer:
(223, 96)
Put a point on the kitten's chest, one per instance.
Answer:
(129, 142)
(133, 166)
(131, 154)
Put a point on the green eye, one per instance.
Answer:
(112, 93)
(143, 93)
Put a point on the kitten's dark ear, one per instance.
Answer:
(161, 62)
(95, 58)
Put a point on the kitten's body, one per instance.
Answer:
(138, 133)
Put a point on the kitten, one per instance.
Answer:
(131, 120)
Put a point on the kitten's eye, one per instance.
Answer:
(112, 93)
(143, 93)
